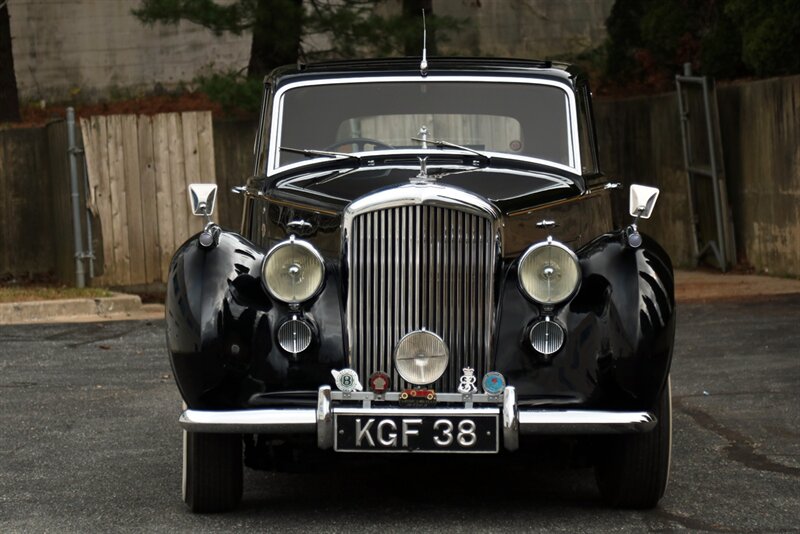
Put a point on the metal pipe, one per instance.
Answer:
(712, 149)
(76, 208)
(86, 195)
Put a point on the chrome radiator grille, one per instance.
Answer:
(414, 267)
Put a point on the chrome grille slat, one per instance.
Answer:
(420, 266)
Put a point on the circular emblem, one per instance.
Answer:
(379, 382)
(347, 380)
(493, 383)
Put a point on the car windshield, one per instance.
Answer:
(514, 117)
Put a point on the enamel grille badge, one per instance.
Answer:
(493, 383)
(379, 382)
(347, 380)
(467, 383)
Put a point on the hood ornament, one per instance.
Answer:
(423, 160)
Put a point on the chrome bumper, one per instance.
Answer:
(319, 421)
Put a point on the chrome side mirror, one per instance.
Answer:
(642, 201)
(202, 198)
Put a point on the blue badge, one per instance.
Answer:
(494, 383)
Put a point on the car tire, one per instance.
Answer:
(632, 470)
(212, 471)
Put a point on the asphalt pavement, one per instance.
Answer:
(90, 443)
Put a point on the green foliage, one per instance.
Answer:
(649, 40)
(233, 91)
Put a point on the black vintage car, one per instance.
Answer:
(427, 262)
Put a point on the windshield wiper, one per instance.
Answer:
(440, 143)
(311, 153)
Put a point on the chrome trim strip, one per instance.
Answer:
(272, 156)
(584, 422)
(271, 421)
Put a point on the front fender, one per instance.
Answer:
(210, 335)
(620, 329)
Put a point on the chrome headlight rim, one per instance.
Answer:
(292, 241)
(532, 249)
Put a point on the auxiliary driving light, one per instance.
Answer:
(421, 357)
(294, 336)
(547, 337)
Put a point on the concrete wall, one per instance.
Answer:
(95, 47)
(525, 28)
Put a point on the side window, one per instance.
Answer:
(586, 132)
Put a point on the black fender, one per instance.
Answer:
(620, 329)
(221, 327)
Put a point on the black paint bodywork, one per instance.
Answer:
(221, 322)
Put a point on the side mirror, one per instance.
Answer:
(202, 198)
(642, 201)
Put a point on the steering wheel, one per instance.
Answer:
(360, 142)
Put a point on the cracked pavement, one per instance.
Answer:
(90, 443)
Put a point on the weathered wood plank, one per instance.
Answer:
(133, 194)
(205, 148)
(163, 192)
(5, 264)
(191, 163)
(180, 221)
(119, 213)
(233, 162)
(61, 204)
(103, 196)
(147, 180)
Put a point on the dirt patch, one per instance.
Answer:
(699, 286)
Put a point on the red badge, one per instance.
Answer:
(379, 382)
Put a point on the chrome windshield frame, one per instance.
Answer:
(273, 166)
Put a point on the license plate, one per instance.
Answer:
(417, 431)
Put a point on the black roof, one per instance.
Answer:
(412, 64)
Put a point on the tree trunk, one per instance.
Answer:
(276, 35)
(9, 100)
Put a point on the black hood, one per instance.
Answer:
(510, 188)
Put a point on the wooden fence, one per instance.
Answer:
(138, 169)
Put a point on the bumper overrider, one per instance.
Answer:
(371, 422)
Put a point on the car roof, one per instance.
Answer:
(411, 65)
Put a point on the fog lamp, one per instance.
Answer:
(547, 337)
(421, 357)
(294, 336)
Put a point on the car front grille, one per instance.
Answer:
(420, 266)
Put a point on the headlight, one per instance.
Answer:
(293, 271)
(549, 272)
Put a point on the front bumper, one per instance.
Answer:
(320, 421)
